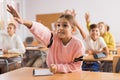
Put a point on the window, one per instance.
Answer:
(1, 15)
(5, 17)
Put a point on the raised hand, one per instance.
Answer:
(15, 14)
(71, 12)
(87, 17)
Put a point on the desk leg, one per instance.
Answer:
(7, 67)
(27, 55)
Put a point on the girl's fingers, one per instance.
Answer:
(53, 68)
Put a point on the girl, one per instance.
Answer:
(108, 37)
(63, 46)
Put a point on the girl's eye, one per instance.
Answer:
(58, 25)
(65, 25)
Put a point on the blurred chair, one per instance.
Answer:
(116, 64)
(31, 42)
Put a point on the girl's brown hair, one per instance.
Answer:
(71, 20)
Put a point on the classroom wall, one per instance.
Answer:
(100, 10)
(19, 30)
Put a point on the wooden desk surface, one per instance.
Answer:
(27, 74)
(91, 58)
(9, 55)
(37, 48)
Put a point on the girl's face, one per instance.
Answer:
(94, 33)
(102, 28)
(10, 30)
(64, 28)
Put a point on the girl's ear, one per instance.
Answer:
(74, 29)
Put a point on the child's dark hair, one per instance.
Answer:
(92, 26)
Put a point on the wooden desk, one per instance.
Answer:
(7, 56)
(36, 48)
(91, 58)
(108, 59)
(27, 74)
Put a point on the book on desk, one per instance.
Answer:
(42, 72)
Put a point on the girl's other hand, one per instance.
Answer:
(53, 68)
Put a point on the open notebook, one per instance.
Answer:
(42, 72)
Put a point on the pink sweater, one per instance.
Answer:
(61, 55)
